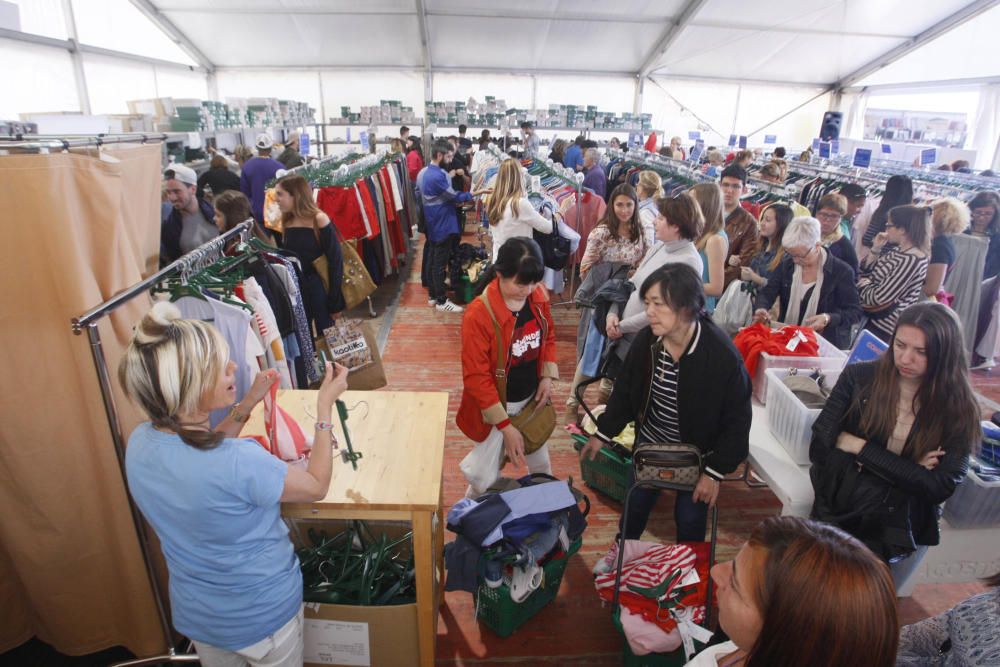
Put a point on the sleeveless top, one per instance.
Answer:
(710, 301)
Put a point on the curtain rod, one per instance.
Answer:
(73, 140)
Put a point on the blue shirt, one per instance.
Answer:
(595, 179)
(234, 575)
(253, 181)
(573, 157)
(439, 199)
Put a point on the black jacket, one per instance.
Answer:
(838, 298)
(170, 232)
(912, 494)
(713, 396)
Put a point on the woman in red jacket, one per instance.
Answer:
(521, 308)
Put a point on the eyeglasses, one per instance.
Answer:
(983, 213)
(828, 216)
(798, 256)
(890, 224)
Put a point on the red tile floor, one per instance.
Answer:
(422, 354)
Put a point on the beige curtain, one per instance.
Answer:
(78, 229)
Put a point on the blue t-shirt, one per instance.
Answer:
(234, 575)
(573, 157)
(254, 176)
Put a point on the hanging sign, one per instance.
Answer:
(699, 148)
(348, 135)
(732, 140)
(815, 145)
(304, 144)
(862, 157)
(364, 141)
(694, 136)
(743, 141)
(635, 139)
(770, 138)
(886, 148)
(835, 146)
(928, 156)
(824, 149)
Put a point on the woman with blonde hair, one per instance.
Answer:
(649, 188)
(949, 216)
(213, 499)
(308, 234)
(508, 210)
(713, 244)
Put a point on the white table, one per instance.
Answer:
(964, 554)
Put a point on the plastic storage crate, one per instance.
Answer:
(503, 616)
(830, 359)
(975, 503)
(790, 421)
(607, 473)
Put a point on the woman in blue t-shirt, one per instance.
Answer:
(214, 500)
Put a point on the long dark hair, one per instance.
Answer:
(782, 216)
(944, 405)
(797, 604)
(518, 258)
(984, 199)
(898, 192)
(610, 220)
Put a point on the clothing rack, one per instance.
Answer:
(202, 256)
(45, 142)
(655, 161)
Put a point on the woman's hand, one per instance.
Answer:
(818, 322)
(590, 449)
(612, 328)
(932, 459)
(258, 390)
(706, 490)
(750, 275)
(735, 260)
(879, 242)
(851, 444)
(761, 316)
(544, 394)
(513, 445)
(334, 384)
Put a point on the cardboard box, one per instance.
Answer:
(337, 634)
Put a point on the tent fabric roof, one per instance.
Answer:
(790, 41)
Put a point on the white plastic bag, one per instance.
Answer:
(481, 466)
(734, 309)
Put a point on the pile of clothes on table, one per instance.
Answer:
(507, 535)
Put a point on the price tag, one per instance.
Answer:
(862, 157)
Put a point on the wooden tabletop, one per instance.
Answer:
(401, 435)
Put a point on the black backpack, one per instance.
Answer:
(555, 248)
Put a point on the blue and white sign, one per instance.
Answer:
(824, 149)
(928, 156)
(364, 141)
(815, 145)
(694, 135)
(743, 141)
(770, 139)
(699, 148)
(732, 140)
(862, 157)
(635, 139)
(304, 144)
(886, 148)
(835, 146)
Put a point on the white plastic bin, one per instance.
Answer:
(975, 503)
(790, 421)
(830, 359)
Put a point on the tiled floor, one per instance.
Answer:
(422, 353)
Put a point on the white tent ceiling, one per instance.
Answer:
(821, 42)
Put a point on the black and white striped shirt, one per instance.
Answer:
(663, 421)
(895, 277)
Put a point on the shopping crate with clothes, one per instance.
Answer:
(608, 472)
(513, 545)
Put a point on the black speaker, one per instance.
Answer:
(830, 129)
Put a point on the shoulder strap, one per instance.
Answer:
(500, 374)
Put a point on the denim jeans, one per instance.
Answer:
(440, 253)
(691, 517)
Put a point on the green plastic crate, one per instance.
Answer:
(607, 473)
(503, 616)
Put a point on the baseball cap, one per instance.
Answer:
(181, 173)
(264, 142)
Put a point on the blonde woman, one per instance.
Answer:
(508, 210)
(949, 216)
(713, 244)
(649, 188)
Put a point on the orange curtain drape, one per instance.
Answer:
(78, 228)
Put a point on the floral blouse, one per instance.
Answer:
(602, 248)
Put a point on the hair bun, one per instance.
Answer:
(156, 322)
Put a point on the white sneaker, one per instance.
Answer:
(449, 307)
(432, 302)
(608, 562)
(985, 364)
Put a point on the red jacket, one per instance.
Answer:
(481, 407)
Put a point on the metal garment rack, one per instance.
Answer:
(47, 143)
(202, 256)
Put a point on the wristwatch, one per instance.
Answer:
(238, 416)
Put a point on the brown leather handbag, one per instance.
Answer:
(357, 284)
(535, 422)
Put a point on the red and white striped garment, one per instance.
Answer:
(287, 440)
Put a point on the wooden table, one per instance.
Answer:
(401, 435)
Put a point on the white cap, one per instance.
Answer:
(264, 142)
(181, 173)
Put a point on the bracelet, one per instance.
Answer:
(324, 426)
(504, 424)
(238, 416)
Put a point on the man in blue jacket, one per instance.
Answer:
(440, 220)
(191, 221)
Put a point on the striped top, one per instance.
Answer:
(663, 422)
(894, 277)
